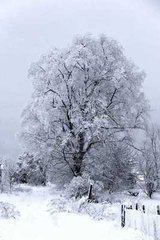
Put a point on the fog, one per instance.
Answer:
(29, 28)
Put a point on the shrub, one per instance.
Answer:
(8, 210)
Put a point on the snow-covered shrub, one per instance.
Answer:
(59, 204)
(113, 165)
(78, 187)
(98, 211)
(94, 210)
(98, 189)
(30, 170)
(8, 210)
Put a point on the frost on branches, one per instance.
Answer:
(149, 161)
(85, 97)
(7, 171)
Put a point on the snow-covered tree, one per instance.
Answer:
(113, 165)
(7, 171)
(83, 96)
(31, 170)
(149, 160)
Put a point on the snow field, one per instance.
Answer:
(36, 222)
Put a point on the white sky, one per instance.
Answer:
(28, 28)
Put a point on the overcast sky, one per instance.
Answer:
(29, 28)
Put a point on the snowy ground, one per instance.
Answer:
(36, 223)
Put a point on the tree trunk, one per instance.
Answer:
(150, 189)
(77, 166)
(79, 155)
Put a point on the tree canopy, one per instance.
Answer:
(85, 96)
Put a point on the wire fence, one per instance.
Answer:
(142, 219)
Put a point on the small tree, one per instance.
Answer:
(114, 166)
(7, 172)
(31, 170)
(149, 160)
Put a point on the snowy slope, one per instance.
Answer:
(36, 223)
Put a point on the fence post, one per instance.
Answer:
(158, 210)
(143, 208)
(90, 193)
(123, 215)
(136, 206)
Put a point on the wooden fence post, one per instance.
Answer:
(90, 193)
(123, 216)
(143, 208)
(158, 210)
(136, 206)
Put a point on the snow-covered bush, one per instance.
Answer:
(78, 187)
(8, 210)
(113, 165)
(30, 170)
(98, 189)
(59, 204)
(98, 211)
